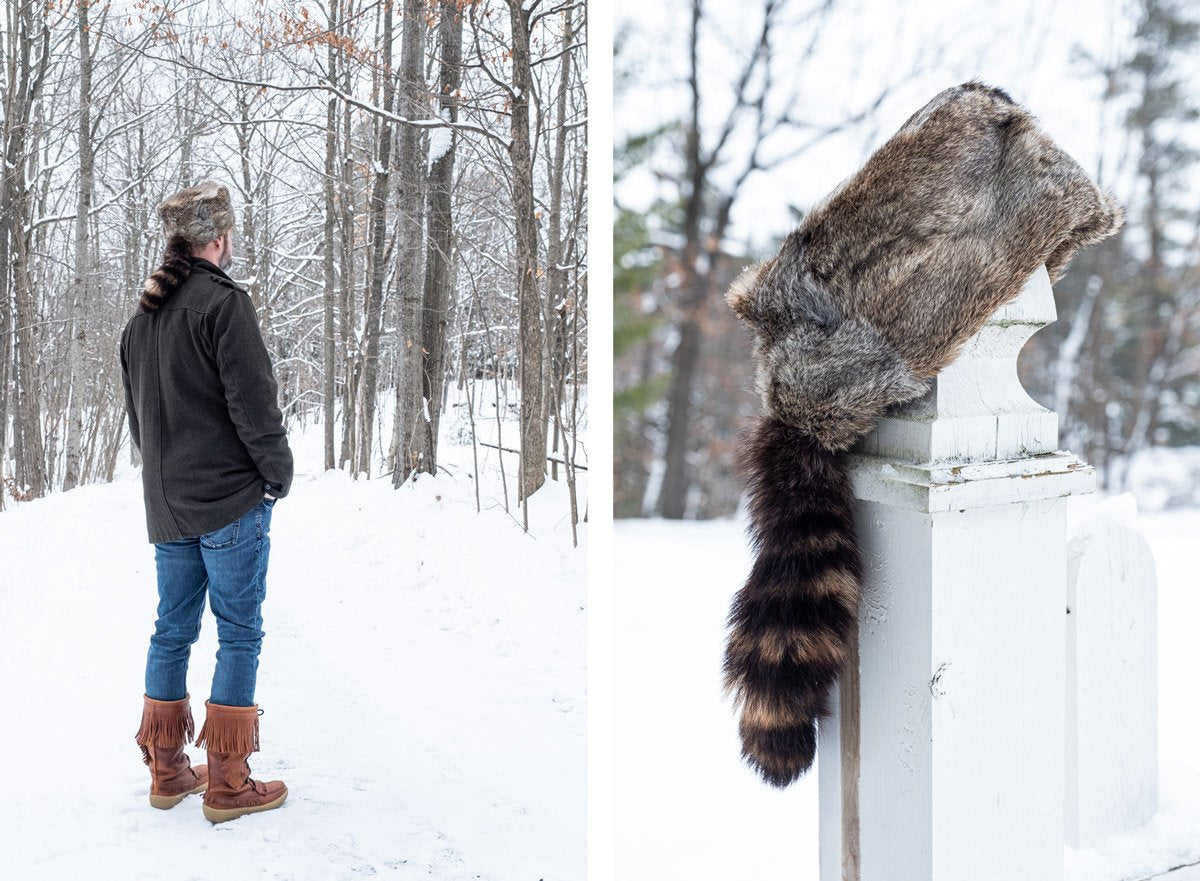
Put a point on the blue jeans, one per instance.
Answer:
(230, 565)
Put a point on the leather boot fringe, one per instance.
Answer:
(165, 724)
(229, 729)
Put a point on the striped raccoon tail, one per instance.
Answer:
(165, 280)
(791, 625)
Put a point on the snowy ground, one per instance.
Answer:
(422, 680)
(687, 808)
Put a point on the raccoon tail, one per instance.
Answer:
(791, 624)
(165, 280)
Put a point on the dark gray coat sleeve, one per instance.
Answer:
(134, 428)
(250, 389)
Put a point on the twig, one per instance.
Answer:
(518, 452)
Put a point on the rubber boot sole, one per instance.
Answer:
(165, 802)
(220, 815)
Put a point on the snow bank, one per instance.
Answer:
(1166, 477)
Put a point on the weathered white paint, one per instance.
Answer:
(1112, 671)
(959, 689)
(978, 410)
(939, 488)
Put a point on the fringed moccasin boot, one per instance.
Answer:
(166, 727)
(230, 734)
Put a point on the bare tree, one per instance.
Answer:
(410, 159)
(439, 257)
(718, 160)
(329, 300)
(27, 59)
(532, 364)
(377, 241)
(80, 294)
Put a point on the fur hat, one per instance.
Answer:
(198, 214)
(867, 300)
(882, 283)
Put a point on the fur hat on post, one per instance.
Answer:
(882, 282)
(868, 299)
(198, 214)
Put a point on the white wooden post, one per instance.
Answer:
(944, 760)
(1112, 696)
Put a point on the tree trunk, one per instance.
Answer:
(556, 276)
(346, 229)
(5, 337)
(31, 463)
(183, 119)
(248, 246)
(684, 361)
(80, 294)
(377, 221)
(409, 409)
(439, 260)
(6, 234)
(328, 351)
(532, 334)
(23, 90)
(686, 357)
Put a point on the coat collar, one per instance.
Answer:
(209, 265)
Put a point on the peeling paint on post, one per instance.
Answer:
(945, 757)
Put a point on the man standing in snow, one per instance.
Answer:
(201, 400)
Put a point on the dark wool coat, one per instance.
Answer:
(202, 404)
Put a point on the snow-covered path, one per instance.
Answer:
(422, 682)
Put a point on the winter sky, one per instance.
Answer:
(1031, 48)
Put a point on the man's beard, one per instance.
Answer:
(226, 259)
